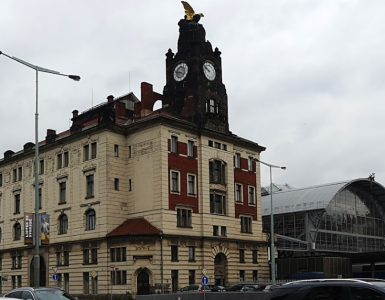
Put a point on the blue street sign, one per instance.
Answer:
(55, 276)
(205, 280)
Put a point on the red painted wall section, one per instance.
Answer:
(185, 165)
(246, 178)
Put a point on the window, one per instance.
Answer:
(118, 277)
(86, 256)
(191, 277)
(251, 195)
(129, 152)
(16, 262)
(211, 106)
(90, 186)
(184, 218)
(94, 283)
(217, 172)
(223, 231)
(65, 285)
(17, 174)
(93, 150)
(118, 254)
(175, 181)
(1, 179)
(86, 152)
(1, 236)
(130, 185)
(94, 255)
(250, 164)
(62, 160)
(330, 292)
(63, 189)
(0, 207)
(224, 147)
(242, 255)
(41, 166)
(174, 281)
(237, 160)
(255, 275)
(238, 192)
(174, 253)
(63, 258)
(215, 230)
(246, 224)
(191, 253)
(190, 148)
(210, 143)
(90, 219)
(255, 257)
(16, 281)
(66, 161)
(17, 203)
(116, 184)
(63, 224)
(357, 293)
(191, 184)
(17, 232)
(217, 203)
(90, 256)
(241, 275)
(86, 282)
(217, 145)
(174, 144)
(1, 263)
(116, 150)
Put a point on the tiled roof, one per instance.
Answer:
(139, 226)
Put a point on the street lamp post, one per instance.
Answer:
(272, 248)
(36, 220)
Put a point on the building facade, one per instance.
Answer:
(135, 201)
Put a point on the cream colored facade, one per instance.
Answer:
(138, 157)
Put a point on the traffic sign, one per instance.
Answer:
(54, 269)
(94, 274)
(205, 280)
(204, 271)
(55, 276)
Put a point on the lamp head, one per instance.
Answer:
(283, 168)
(74, 77)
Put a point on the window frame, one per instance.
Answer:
(174, 182)
(190, 148)
(63, 192)
(63, 224)
(238, 193)
(237, 160)
(174, 144)
(218, 203)
(174, 253)
(246, 224)
(184, 217)
(251, 195)
(90, 186)
(191, 185)
(90, 219)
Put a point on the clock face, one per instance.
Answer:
(209, 70)
(180, 71)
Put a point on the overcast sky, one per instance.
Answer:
(304, 78)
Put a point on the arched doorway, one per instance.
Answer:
(143, 283)
(220, 269)
(43, 272)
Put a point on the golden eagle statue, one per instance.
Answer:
(190, 13)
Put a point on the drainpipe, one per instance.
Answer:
(161, 261)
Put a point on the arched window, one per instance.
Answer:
(90, 219)
(17, 231)
(63, 224)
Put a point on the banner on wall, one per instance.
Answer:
(28, 228)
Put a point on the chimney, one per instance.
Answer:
(110, 98)
(75, 113)
(51, 136)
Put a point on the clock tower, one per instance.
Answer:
(194, 90)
